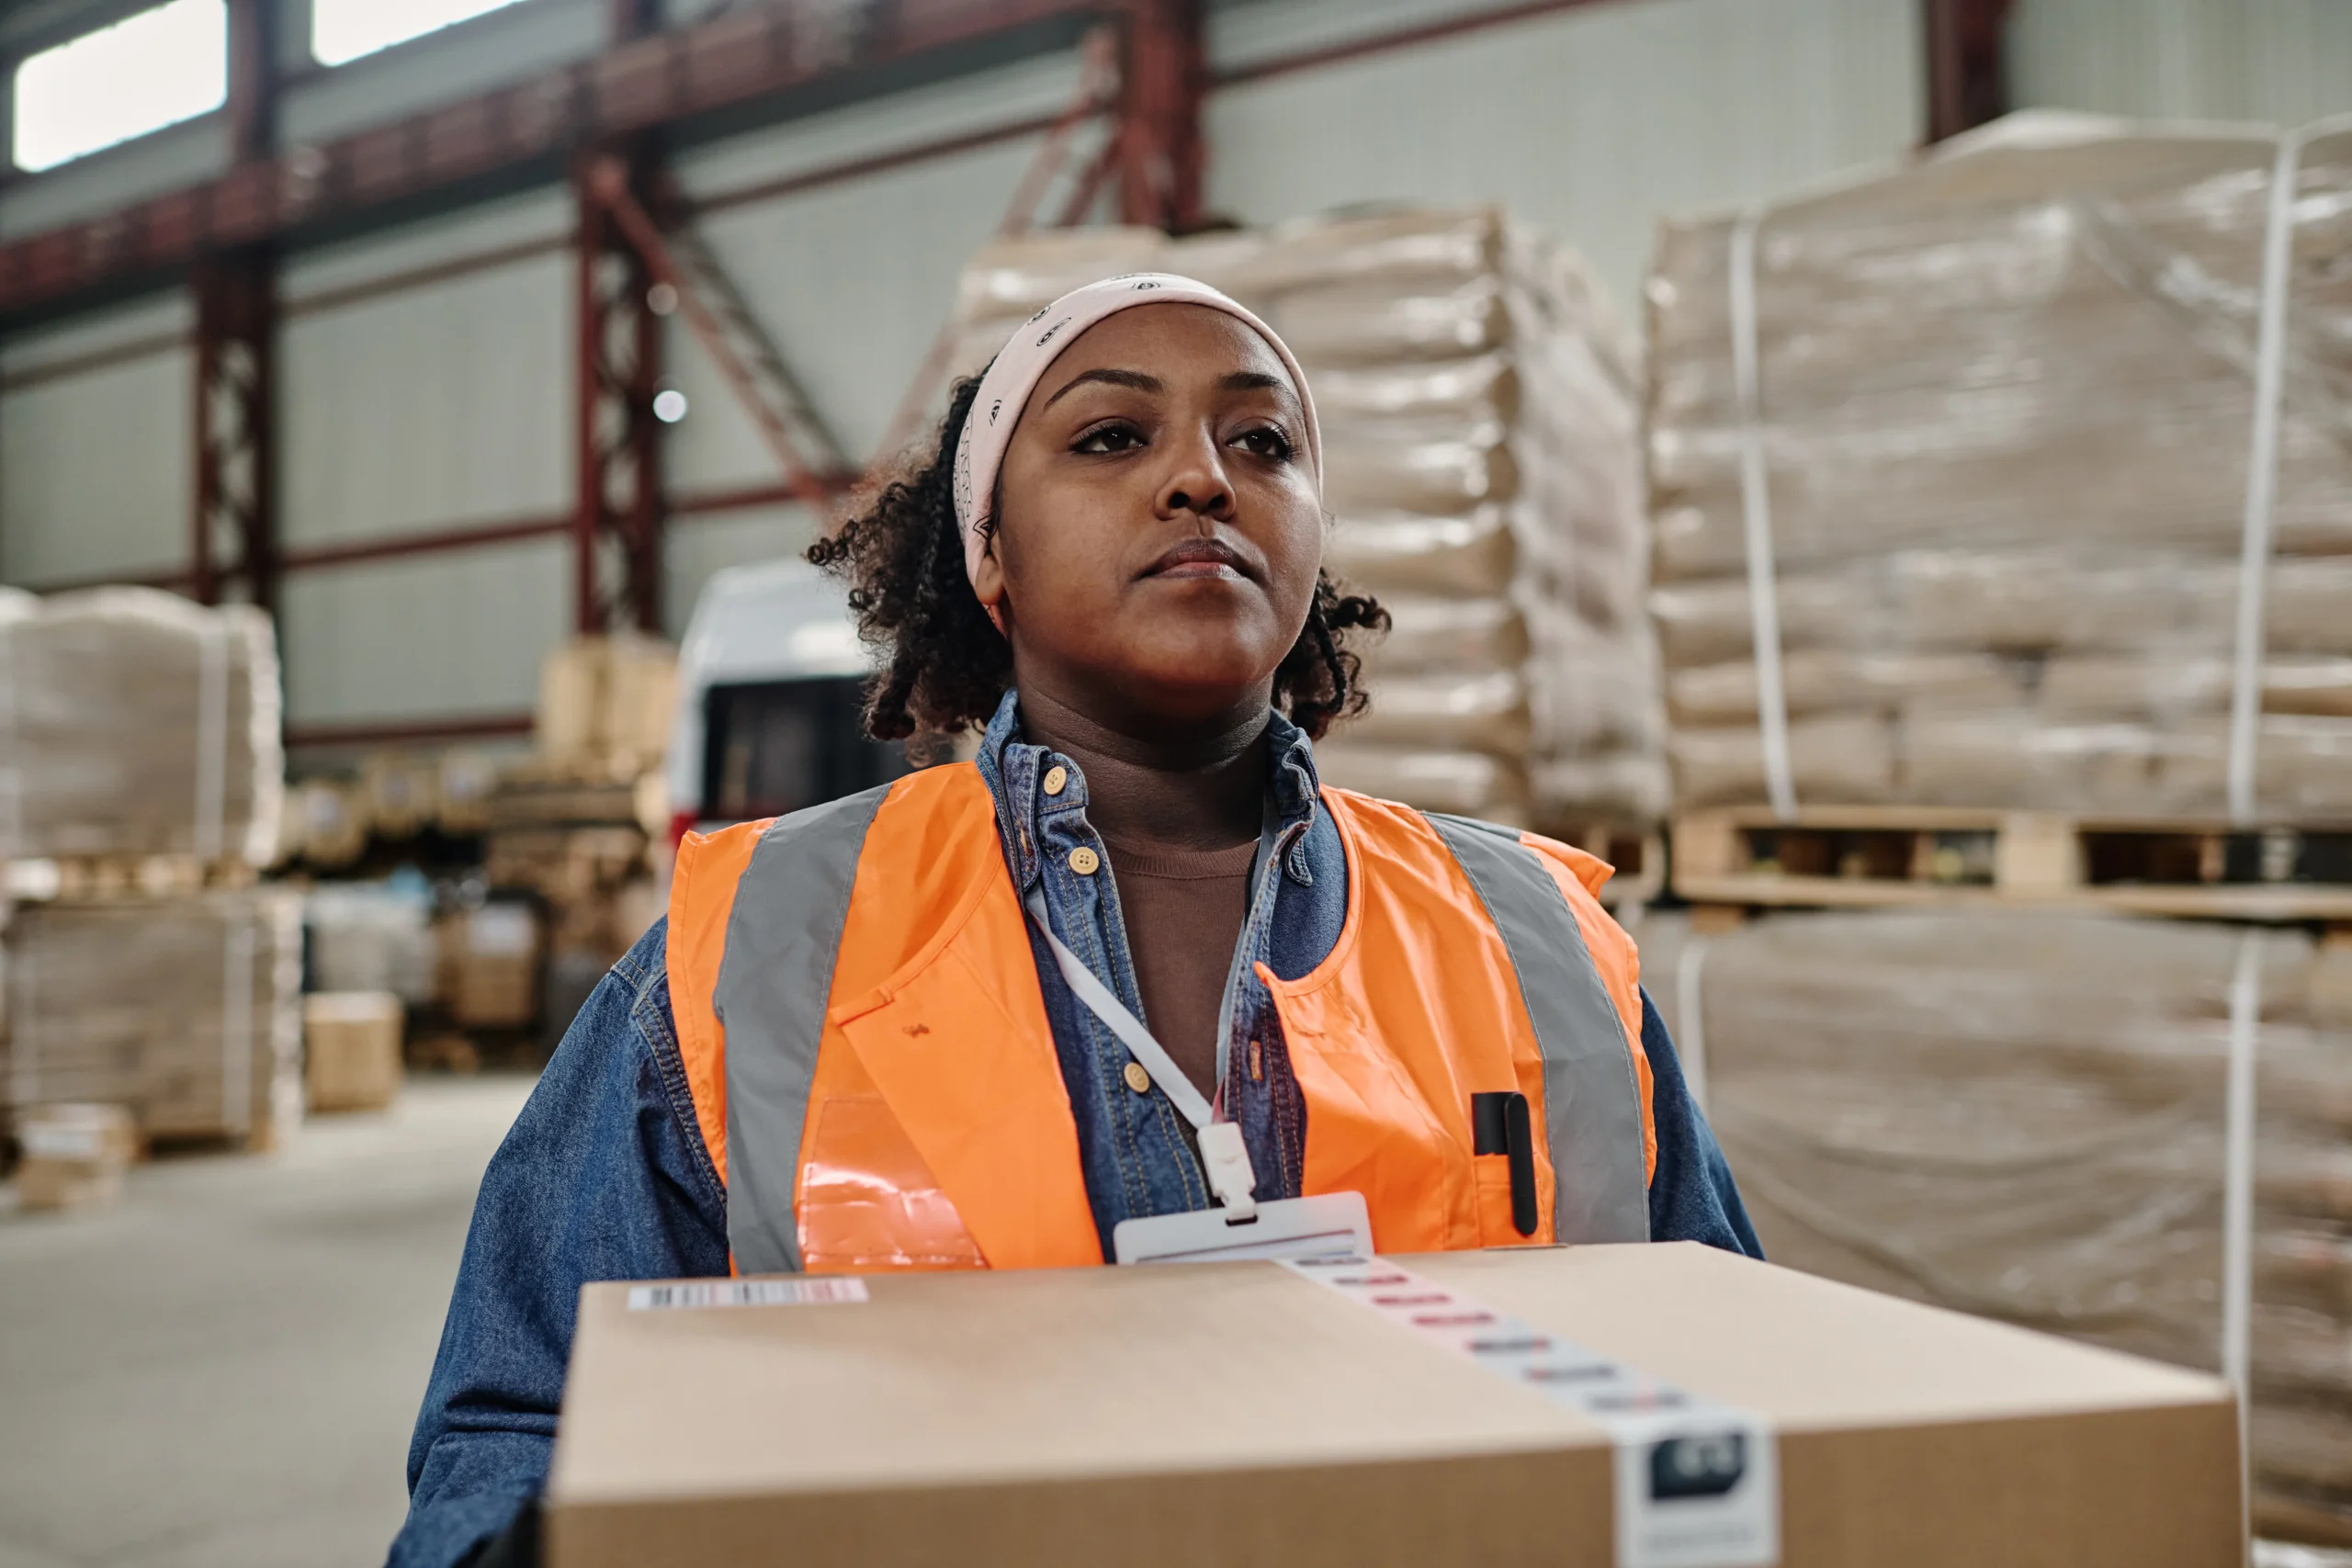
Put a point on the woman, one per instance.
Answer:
(1131, 963)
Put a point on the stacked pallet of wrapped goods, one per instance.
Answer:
(138, 723)
(1964, 460)
(141, 763)
(1483, 470)
(2029, 1116)
(565, 833)
(186, 1012)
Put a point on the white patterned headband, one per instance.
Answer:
(1023, 360)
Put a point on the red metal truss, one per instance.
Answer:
(236, 492)
(684, 277)
(616, 529)
(235, 535)
(636, 86)
(1966, 83)
(1163, 78)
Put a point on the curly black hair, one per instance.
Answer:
(902, 556)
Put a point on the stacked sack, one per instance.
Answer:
(2024, 1116)
(2002, 409)
(137, 723)
(1482, 467)
(186, 1011)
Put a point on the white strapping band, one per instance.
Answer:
(1755, 518)
(12, 776)
(238, 951)
(2237, 1174)
(24, 1019)
(2261, 481)
(211, 739)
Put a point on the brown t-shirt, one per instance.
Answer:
(1184, 910)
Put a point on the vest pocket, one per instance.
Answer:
(1496, 1225)
(867, 1201)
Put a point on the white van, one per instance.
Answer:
(771, 682)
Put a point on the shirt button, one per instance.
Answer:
(1085, 862)
(1057, 780)
(1137, 1079)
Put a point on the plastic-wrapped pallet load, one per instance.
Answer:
(2129, 1132)
(373, 936)
(187, 1011)
(138, 723)
(1954, 470)
(1483, 470)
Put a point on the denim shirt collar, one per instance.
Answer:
(1013, 769)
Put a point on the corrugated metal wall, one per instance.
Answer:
(419, 410)
(2282, 60)
(432, 405)
(427, 636)
(96, 433)
(1592, 123)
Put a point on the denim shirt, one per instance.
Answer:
(604, 1176)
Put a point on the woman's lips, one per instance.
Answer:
(1200, 559)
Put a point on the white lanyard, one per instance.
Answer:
(1223, 1154)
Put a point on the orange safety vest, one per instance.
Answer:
(866, 1041)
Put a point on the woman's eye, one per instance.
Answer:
(1267, 442)
(1108, 438)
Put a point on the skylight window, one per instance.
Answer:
(345, 30)
(152, 69)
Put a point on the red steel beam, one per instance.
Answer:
(634, 86)
(439, 541)
(407, 731)
(425, 276)
(1966, 83)
(180, 579)
(1161, 82)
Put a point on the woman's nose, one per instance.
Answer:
(1195, 481)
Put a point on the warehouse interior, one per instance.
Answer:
(1877, 473)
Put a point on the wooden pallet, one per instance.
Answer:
(83, 879)
(1895, 856)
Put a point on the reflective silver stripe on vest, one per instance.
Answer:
(1592, 1103)
(776, 980)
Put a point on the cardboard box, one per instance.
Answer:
(606, 704)
(74, 1155)
(1240, 1415)
(351, 1049)
(490, 961)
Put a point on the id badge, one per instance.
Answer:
(1335, 1223)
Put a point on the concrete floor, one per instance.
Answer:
(224, 1369)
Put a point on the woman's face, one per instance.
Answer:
(1159, 533)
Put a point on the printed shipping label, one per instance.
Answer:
(1698, 1484)
(745, 1293)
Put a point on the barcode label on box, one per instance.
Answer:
(1697, 1482)
(745, 1293)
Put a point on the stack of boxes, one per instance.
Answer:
(1482, 467)
(567, 835)
(1966, 451)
